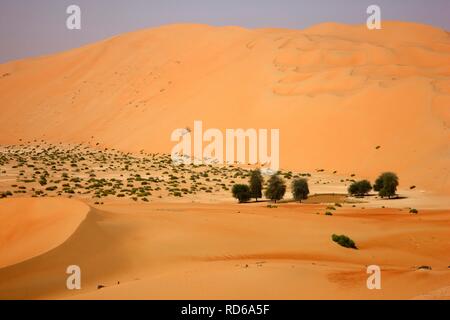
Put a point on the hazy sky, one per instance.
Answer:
(35, 27)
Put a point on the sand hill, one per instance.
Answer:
(335, 91)
(31, 227)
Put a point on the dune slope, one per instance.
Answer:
(335, 91)
(31, 227)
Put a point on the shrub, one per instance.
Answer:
(328, 213)
(300, 189)
(256, 184)
(276, 188)
(8, 193)
(241, 192)
(344, 241)
(360, 188)
(424, 268)
(42, 181)
(386, 184)
(413, 211)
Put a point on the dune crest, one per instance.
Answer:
(33, 226)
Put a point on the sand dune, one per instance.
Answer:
(347, 100)
(190, 251)
(348, 89)
(31, 227)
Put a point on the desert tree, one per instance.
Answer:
(256, 184)
(386, 184)
(300, 189)
(241, 192)
(276, 188)
(360, 188)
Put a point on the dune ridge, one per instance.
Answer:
(44, 276)
(31, 227)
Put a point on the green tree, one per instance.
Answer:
(241, 192)
(386, 184)
(276, 188)
(300, 189)
(256, 184)
(360, 188)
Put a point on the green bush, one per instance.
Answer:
(241, 192)
(386, 184)
(424, 268)
(42, 181)
(413, 211)
(300, 189)
(276, 188)
(360, 188)
(344, 241)
(256, 184)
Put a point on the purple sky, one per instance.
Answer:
(36, 27)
